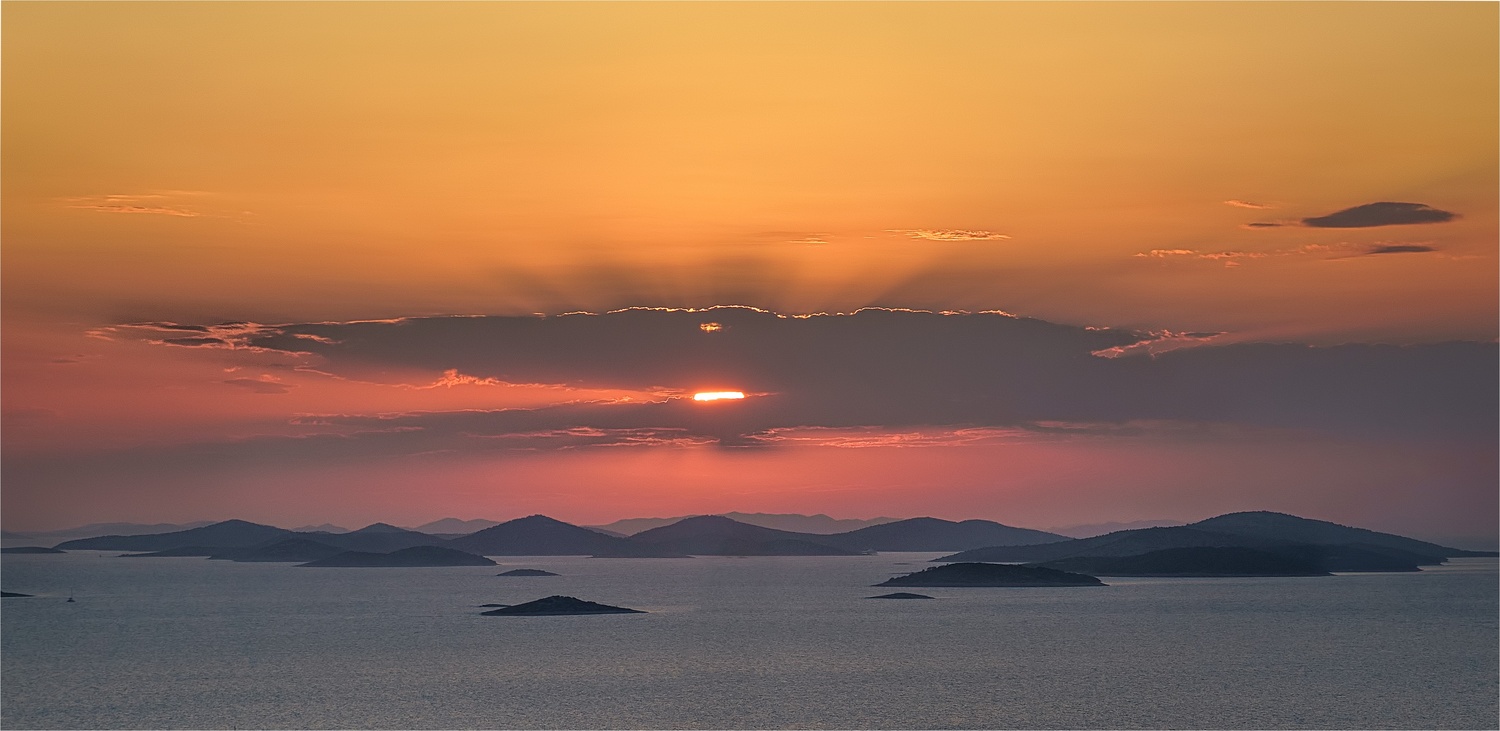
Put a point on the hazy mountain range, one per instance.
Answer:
(540, 535)
(1253, 541)
(454, 528)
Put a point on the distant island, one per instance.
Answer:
(556, 606)
(900, 595)
(526, 572)
(417, 556)
(1225, 545)
(1196, 561)
(292, 550)
(181, 552)
(1304, 547)
(991, 574)
(13, 595)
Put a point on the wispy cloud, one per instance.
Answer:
(1246, 204)
(949, 234)
(860, 437)
(1159, 342)
(263, 384)
(452, 377)
(152, 204)
(229, 335)
(1231, 259)
(177, 203)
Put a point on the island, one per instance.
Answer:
(416, 556)
(181, 552)
(991, 574)
(292, 550)
(30, 549)
(527, 572)
(900, 595)
(12, 594)
(1222, 561)
(556, 606)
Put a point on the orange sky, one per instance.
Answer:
(1081, 163)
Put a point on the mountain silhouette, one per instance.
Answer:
(716, 535)
(935, 534)
(1331, 547)
(226, 534)
(454, 525)
(538, 535)
(1294, 529)
(376, 538)
(1120, 543)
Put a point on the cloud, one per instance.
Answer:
(865, 380)
(264, 384)
(1231, 259)
(888, 369)
(228, 335)
(148, 203)
(1160, 342)
(1352, 251)
(452, 377)
(860, 437)
(1398, 249)
(949, 234)
(1380, 214)
(195, 342)
(1246, 204)
(175, 203)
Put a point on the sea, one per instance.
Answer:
(742, 643)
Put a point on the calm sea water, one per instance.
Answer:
(734, 643)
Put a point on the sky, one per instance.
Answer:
(1041, 263)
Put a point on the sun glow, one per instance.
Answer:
(718, 395)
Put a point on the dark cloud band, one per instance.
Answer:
(898, 369)
(1380, 214)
